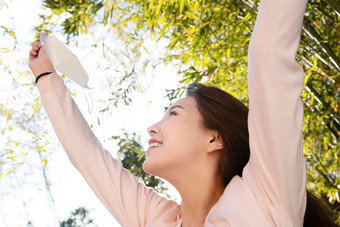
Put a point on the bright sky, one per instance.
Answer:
(24, 188)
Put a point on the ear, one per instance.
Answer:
(215, 143)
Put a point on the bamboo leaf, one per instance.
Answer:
(45, 162)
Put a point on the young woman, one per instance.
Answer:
(225, 176)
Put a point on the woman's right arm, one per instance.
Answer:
(128, 200)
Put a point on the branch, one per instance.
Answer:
(320, 73)
(314, 52)
(325, 106)
(314, 35)
(332, 131)
(328, 182)
(334, 4)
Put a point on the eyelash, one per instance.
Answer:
(173, 113)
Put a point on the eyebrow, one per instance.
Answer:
(175, 106)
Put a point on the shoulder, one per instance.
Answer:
(238, 207)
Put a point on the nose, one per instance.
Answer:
(154, 129)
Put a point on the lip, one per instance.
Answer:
(153, 140)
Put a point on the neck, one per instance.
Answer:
(198, 197)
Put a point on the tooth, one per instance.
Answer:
(155, 144)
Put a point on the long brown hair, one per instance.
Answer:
(228, 116)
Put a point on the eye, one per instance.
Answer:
(173, 113)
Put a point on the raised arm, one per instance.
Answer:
(129, 201)
(276, 169)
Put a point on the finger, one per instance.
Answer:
(36, 48)
(38, 43)
(33, 54)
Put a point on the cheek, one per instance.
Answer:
(181, 148)
(185, 137)
(180, 141)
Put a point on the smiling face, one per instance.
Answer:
(179, 142)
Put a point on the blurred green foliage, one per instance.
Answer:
(78, 218)
(131, 154)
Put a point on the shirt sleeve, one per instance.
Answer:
(276, 171)
(128, 200)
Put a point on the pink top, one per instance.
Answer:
(272, 190)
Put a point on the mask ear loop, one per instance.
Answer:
(89, 109)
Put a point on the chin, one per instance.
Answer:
(154, 168)
(147, 167)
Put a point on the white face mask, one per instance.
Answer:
(64, 60)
